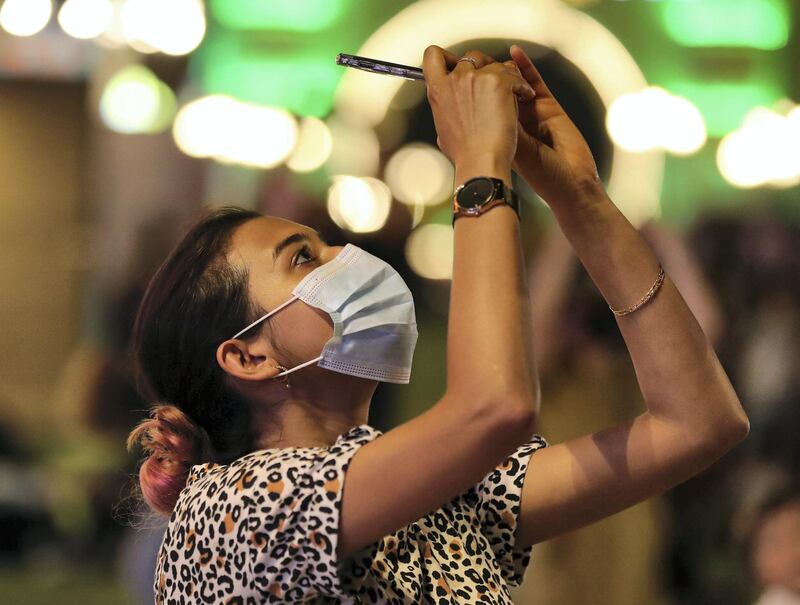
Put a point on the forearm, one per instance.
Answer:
(489, 341)
(678, 372)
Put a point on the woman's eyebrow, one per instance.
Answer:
(293, 239)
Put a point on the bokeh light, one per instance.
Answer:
(359, 204)
(723, 101)
(429, 251)
(764, 151)
(113, 36)
(135, 101)
(85, 19)
(175, 27)
(25, 17)
(655, 119)
(286, 15)
(314, 146)
(199, 125)
(762, 24)
(356, 149)
(229, 130)
(419, 174)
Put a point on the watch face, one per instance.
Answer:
(475, 193)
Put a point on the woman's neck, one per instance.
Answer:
(295, 417)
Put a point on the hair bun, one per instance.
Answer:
(173, 444)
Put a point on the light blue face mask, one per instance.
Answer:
(374, 326)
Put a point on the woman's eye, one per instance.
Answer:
(303, 256)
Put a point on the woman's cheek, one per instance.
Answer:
(306, 331)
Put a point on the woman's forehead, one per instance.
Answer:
(265, 232)
(256, 239)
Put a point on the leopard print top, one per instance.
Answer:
(263, 529)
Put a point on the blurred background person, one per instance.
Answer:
(776, 548)
(767, 526)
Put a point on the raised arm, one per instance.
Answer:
(491, 399)
(693, 415)
(684, 269)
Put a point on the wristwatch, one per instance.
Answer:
(479, 194)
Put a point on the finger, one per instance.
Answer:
(434, 63)
(528, 113)
(503, 68)
(511, 67)
(481, 60)
(450, 58)
(523, 91)
(526, 94)
(528, 118)
(519, 86)
(529, 72)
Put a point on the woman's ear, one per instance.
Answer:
(247, 360)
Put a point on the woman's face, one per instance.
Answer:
(278, 254)
(777, 548)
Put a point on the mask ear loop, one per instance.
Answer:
(283, 370)
(266, 316)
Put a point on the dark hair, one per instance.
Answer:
(195, 301)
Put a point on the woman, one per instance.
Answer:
(258, 430)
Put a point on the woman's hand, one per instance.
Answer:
(552, 155)
(474, 106)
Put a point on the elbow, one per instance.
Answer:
(518, 416)
(513, 413)
(527, 419)
(739, 428)
(729, 431)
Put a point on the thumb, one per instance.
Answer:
(530, 156)
(527, 147)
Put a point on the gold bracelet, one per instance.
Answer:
(646, 297)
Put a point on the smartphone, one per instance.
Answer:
(380, 67)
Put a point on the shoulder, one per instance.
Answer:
(273, 472)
